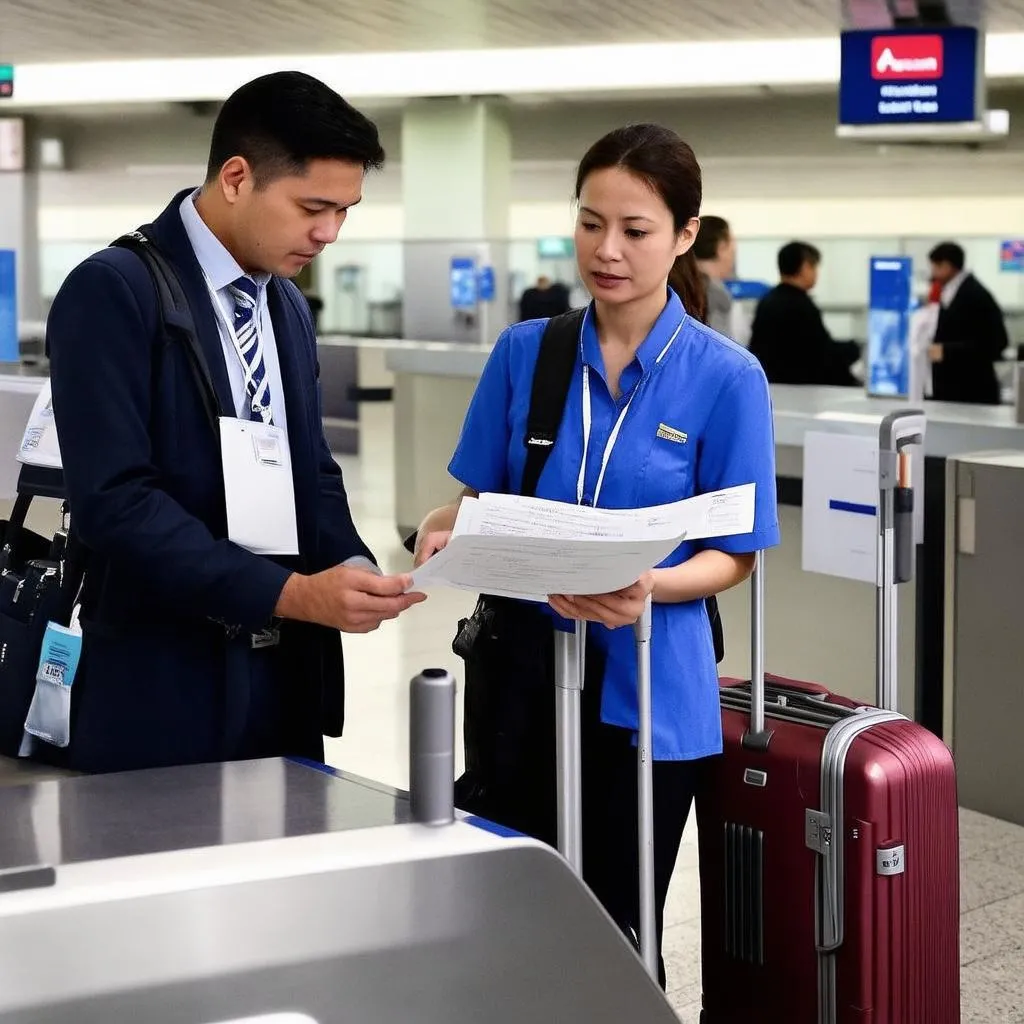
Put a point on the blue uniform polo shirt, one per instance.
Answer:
(714, 398)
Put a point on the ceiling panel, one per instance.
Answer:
(64, 30)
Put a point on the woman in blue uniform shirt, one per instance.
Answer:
(660, 408)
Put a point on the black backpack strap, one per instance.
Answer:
(175, 313)
(551, 378)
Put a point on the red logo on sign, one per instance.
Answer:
(913, 57)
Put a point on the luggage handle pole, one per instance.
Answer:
(645, 792)
(898, 431)
(568, 688)
(757, 738)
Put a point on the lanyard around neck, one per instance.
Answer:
(588, 420)
(247, 371)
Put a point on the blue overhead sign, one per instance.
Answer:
(555, 248)
(910, 77)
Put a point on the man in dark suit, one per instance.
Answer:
(971, 335)
(545, 299)
(789, 336)
(195, 648)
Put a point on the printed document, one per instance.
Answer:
(529, 548)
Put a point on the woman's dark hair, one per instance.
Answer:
(713, 232)
(282, 121)
(658, 156)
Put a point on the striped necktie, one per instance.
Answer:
(249, 345)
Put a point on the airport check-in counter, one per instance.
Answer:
(984, 598)
(817, 627)
(278, 892)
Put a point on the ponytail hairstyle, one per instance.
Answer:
(658, 156)
(687, 281)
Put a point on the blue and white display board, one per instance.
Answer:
(910, 76)
(889, 309)
(840, 504)
(485, 284)
(9, 352)
(463, 282)
(1011, 257)
(746, 291)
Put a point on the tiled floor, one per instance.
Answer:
(381, 664)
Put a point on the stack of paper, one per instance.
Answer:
(39, 445)
(529, 548)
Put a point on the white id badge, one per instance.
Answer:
(258, 487)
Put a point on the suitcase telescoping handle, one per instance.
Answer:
(645, 791)
(898, 431)
(757, 737)
(569, 675)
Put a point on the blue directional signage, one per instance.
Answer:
(463, 282)
(742, 290)
(889, 307)
(485, 284)
(8, 307)
(6, 81)
(910, 76)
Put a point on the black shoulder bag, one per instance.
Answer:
(41, 578)
(508, 646)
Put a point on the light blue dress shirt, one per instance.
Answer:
(221, 269)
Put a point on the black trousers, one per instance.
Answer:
(610, 829)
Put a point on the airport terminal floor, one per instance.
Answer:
(379, 666)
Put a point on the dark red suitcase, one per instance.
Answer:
(829, 853)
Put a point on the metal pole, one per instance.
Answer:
(757, 646)
(881, 608)
(645, 793)
(568, 686)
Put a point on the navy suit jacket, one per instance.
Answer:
(972, 333)
(160, 681)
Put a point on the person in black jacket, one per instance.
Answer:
(970, 336)
(545, 299)
(789, 336)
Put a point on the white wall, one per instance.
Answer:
(771, 165)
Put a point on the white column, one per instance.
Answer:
(456, 180)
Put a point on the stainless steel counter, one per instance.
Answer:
(102, 817)
(242, 891)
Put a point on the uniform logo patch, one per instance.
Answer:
(667, 433)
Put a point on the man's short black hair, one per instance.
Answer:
(713, 231)
(794, 255)
(948, 252)
(282, 121)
